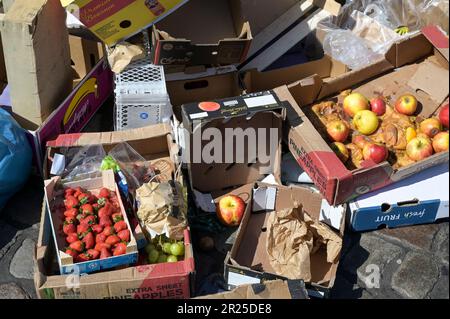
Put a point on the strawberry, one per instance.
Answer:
(100, 238)
(104, 193)
(117, 217)
(100, 246)
(71, 202)
(78, 246)
(69, 192)
(83, 258)
(112, 240)
(92, 199)
(96, 207)
(69, 228)
(89, 220)
(72, 237)
(105, 253)
(121, 225)
(93, 254)
(72, 212)
(106, 210)
(87, 209)
(105, 221)
(71, 252)
(83, 198)
(124, 235)
(109, 230)
(102, 202)
(97, 229)
(70, 220)
(83, 228)
(120, 249)
(89, 241)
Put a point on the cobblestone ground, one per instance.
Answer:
(404, 263)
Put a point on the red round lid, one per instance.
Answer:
(209, 106)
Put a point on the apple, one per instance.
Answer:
(378, 106)
(443, 116)
(419, 148)
(338, 130)
(440, 142)
(360, 141)
(406, 104)
(431, 127)
(366, 122)
(341, 151)
(411, 133)
(354, 103)
(376, 153)
(230, 210)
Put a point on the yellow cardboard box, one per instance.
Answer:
(116, 20)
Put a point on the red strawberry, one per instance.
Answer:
(89, 220)
(102, 202)
(93, 254)
(69, 192)
(105, 221)
(109, 230)
(96, 207)
(89, 241)
(124, 235)
(104, 193)
(78, 246)
(83, 258)
(83, 228)
(69, 228)
(106, 210)
(70, 220)
(83, 198)
(117, 217)
(120, 249)
(100, 246)
(72, 212)
(92, 199)
(112, 240)
(71, 238)
(100, 238)
(71, 202)
(71, 252)
(97, 229)
(105, 253)
(121, 225)
(87, 209)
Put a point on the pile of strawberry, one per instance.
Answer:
(94, 225)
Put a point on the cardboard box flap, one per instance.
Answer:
(425, 80)
(438, 38)
(26, 15)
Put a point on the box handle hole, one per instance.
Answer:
(195, 85)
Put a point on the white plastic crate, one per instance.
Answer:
(141, 96)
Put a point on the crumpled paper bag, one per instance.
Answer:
(292, 237)
(123, 54)
(162, 209)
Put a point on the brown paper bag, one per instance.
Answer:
(123, 54)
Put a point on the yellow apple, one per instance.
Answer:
(354, 103)
(366, 122)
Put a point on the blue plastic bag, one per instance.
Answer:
(15, 157)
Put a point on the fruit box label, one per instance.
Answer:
(115, 20)
(373, 217)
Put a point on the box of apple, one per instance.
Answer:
(373, 131)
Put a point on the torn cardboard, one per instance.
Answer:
(123, 54)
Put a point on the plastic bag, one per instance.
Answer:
(85, 162)
(15, 157)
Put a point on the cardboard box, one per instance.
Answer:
(163, 281)
(419, 199)
(154, 143)
(276, 289)
(180, 39)
(37, 58)
(428, 78)
(248, 263)
(113, 21)
(207, 84)
(261, 115)
(65, 261)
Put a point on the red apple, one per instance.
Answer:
(406, 104)
(338, 130)
(354, 103)
(419, 148)
(360, 141)
(431, 127)
(341, 151)
(376, 153)
(443, 116)
(366, 122)
(440, 142)
(378, 106)
(230, 210)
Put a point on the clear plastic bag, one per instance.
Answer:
(85, 162)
